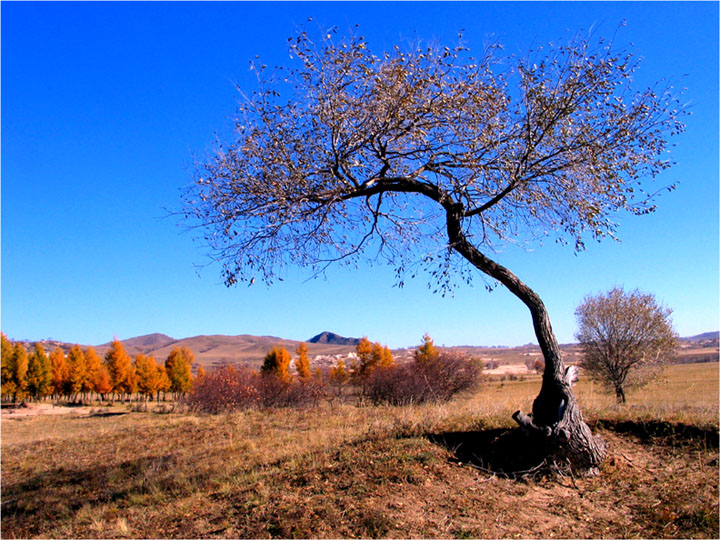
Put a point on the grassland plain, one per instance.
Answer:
(341, 470)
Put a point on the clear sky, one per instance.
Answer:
(106, 105)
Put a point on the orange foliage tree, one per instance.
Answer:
(277, 363)
(59, 373)
(381, 356)
(14, 369)
(98, 375)
(119, 365)
(20, 369)
(302, 362)
(371, 356)
(427, 353)
(6, 366)
(179, 369)
(200, 374)
(338, 373)
(148, 375)
(39, 377)
(163, 381)
(77, 364)
(364, 353)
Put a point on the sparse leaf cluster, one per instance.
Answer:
(348, 149)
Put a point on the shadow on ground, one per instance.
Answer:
(507, 452)
(659, 432)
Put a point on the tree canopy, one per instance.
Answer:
(329, 154)
(625, 336)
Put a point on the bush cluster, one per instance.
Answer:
(419, 382)
(431, 377)
(228, 389)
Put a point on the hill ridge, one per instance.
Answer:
(331, 338)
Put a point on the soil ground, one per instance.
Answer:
(342, 471)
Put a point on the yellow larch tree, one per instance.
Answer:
(426, 354)
(179, 369)
(200, 373)
(77, 365)
(302, 362)
(39, 374)
(147, 374)
(381, 357)
(386, 358)
(20, 369)
(364, 353)
(98, 378)
(60, 373)
(338, 373)
(119, 365)
(163, 381)
(277, 363)
(7, 366)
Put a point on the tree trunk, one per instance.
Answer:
(556, 422)
(620, 394)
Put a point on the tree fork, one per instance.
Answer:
(556, 422)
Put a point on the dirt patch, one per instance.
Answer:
(30, 410)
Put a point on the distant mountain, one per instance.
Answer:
(702, 337)
(150, 341)
(329, 338)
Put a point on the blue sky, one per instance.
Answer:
(106, 105)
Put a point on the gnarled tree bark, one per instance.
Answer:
(556, 422)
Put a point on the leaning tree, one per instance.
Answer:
(428, 158)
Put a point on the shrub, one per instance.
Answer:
(416, 382)
(223, 390)
(228, 389)
(275, 392)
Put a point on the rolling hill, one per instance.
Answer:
(214, 350)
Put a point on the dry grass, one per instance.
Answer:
(346, 471)
(685, 393)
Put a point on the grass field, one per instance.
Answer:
(345, 471)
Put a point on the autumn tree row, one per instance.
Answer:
(78, 374)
